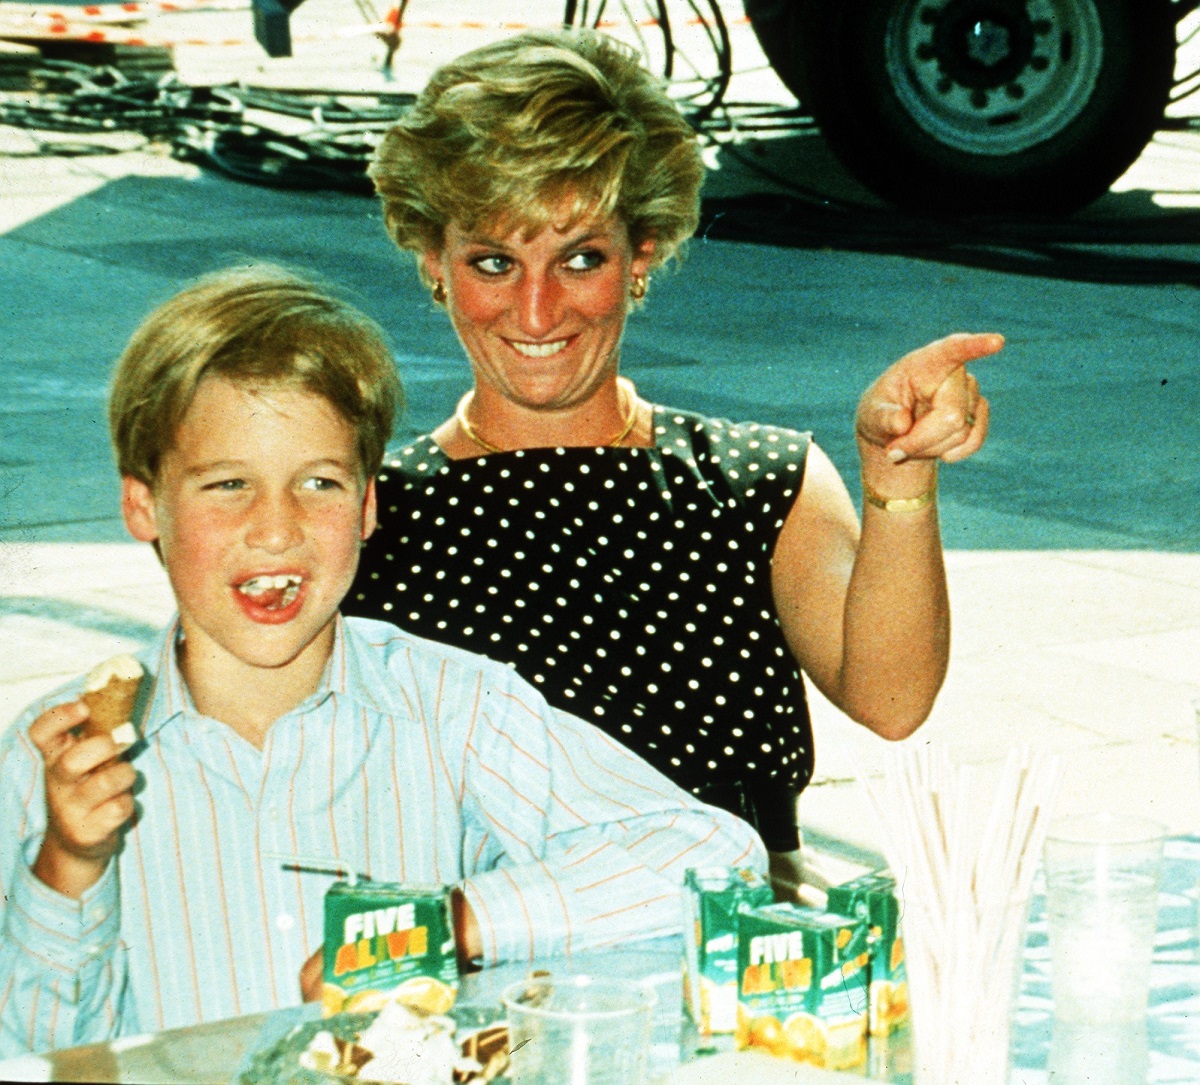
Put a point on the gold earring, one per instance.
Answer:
(438, 292)
(637, 288)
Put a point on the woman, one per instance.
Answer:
(663, 575)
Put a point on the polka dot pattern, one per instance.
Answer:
(631, 586)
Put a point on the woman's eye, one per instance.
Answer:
(492, 265)
(321, 483)
(226, 485)
(585, 260)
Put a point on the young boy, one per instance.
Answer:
(152, 888)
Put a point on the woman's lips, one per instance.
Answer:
(538, 350)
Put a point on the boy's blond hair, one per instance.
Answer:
(256, 324)
(503, 135)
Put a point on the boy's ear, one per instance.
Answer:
(369, 519)
(138, 509)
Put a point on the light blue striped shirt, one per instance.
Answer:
(413, 762)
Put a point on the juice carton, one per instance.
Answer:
(873, 897)
(802, 990)
(387, 942)
(712, 898)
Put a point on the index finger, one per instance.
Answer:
(930, 365)
(50, 730)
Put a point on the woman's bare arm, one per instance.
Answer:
(865, 610)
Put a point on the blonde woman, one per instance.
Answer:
(664, 575)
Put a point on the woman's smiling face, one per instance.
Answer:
(540, 317)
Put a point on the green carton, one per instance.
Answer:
(802, 990)
(388, 942)
(873, 897)
(712, 899)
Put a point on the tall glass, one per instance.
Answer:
(1102, 878)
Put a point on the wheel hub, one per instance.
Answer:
(994, 77)
(982, 44)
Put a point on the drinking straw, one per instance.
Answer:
(318, 864)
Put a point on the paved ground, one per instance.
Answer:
(1074, 537)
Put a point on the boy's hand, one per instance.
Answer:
(88, 798)
(467, 939)
(312, 976)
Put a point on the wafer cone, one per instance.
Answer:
(110, 694)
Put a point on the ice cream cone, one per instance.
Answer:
(110, 693)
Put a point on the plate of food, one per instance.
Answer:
(399, 1045)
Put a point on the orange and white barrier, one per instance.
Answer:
(132, 11)
(112, 24)
(115, 23)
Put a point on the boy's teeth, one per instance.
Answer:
(258, 585)
(539, 350)
(272, 592)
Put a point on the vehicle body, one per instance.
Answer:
(938, 106)
(1010, 106)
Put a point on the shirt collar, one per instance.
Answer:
(353, 670)
(357, 666)
(168, 697)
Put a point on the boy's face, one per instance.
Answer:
(258, 509)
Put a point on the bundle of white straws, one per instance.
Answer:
(964, 899)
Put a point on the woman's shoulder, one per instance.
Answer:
(420, 458)
(745, 449)
(673, 420)
(757, 467)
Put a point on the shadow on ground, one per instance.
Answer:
(1095, 400)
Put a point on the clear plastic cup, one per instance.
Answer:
(1102, 878)
(579, 1030)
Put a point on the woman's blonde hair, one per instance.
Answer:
(505, 134)
(256, 324)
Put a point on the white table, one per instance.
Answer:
(1166, 1051)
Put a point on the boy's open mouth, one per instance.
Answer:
(272, 592)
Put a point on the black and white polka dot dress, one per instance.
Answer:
(632, 586)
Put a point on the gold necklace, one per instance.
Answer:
(623, 384)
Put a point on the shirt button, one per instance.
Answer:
(96, 914)
(94, 951)
(284, 921)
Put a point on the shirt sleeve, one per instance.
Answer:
(585, 845)
(63, 974)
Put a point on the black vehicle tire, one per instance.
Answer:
(1009, 106)
(785, 30)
